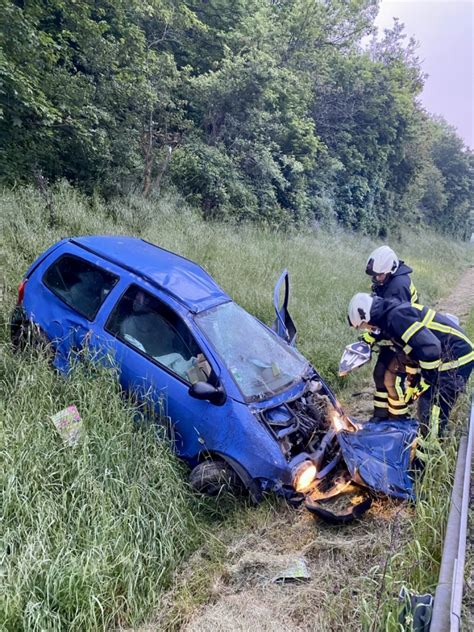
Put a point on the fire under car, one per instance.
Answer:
(246, 409)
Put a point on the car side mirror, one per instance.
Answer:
(204, 390)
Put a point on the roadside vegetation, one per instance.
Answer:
(91, 536)
(285, 112)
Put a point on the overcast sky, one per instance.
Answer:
(445, 32)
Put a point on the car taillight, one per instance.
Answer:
(21, 291)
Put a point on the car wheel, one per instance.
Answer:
(214, 477)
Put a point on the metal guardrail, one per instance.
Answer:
(446, 615)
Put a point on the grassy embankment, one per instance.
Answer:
(91, 535)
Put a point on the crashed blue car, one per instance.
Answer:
(246, 409)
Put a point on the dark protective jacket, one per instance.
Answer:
(399, 286)
(429, 338)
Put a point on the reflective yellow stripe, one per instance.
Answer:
(395, 402)
(398, 411)
(398, 387)
(414, 327)
(382, 394)
(380, 404)
(429, 322)
(412, 370)
(434, 419)
(430, 314)
(434, 364)
(445, 329)
(446, 366)
(413, 293)
(411, 331)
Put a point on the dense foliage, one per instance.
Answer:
(268, 109)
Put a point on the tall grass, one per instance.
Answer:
(90, 535)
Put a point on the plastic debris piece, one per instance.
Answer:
(355, 355)
(340, 509)
(69, 425)
(296, 571)
(416, 610)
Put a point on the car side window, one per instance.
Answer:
(145, 323)
(80, 284)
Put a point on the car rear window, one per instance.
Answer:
(80, 284)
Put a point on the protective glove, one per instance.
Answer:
(412, 393)
(368, 337)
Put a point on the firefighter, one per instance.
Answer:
(390, 280)
(431, 340)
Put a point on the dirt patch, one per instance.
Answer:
(461, 299)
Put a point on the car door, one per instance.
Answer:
(159, 358)
(64, 300)
(283, 325)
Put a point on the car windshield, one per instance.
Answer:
(260, 362)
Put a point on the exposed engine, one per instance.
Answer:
(303, 424)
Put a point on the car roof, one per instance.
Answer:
(179, 277)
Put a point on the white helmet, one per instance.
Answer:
(382, 261)
(359, 309)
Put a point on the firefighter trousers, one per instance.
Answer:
(389, 374)
(434, 407)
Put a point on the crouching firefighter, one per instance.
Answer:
(390, 280)
(430, 340)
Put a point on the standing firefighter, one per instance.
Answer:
(390, 280)
(431, 340)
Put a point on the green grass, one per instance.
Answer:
(91, 535)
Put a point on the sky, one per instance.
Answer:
(445, 32)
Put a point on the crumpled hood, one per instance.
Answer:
(379, 456)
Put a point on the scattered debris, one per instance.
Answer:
(69, 425)
(297, 571)
(263, 568)
(416, 611)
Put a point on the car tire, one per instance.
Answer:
(215, 477)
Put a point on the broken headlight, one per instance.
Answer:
(304, 475)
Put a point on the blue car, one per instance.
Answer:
(246, 409)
